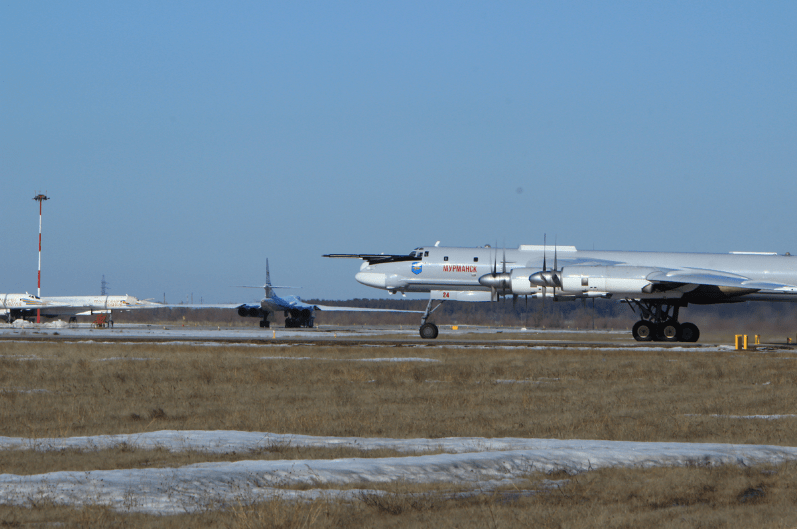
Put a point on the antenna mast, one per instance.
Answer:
(40, 198)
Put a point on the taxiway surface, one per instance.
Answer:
(394, 335)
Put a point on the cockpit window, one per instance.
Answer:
(417, 252)
(426, 253)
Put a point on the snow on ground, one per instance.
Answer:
(471, 462)
(763, 417)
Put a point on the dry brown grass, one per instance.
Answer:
(634, 395)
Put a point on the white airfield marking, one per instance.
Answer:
(396, 359)
(764, 417)
(480, 463)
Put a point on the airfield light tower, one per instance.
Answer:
(40, 197)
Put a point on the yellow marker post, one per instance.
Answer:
(741, 341)
(454, 327)
(757, 339)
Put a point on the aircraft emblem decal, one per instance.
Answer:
(416, 268)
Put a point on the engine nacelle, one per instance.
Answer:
(612, 279)
(520, 283)
(251, 312)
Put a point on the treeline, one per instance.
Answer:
(600, 314)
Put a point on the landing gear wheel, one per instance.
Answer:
(643, 331)
(689, 332)
(429, 331)
(669, 331)
(290, 323)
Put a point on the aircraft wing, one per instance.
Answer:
(716, 278)
(292, 302)
(193, 306)
(361, 309)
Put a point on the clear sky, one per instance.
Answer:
(182, 143)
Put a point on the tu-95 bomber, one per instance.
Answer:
(654, 284)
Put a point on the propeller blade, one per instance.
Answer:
(544, 250)
(555, 268)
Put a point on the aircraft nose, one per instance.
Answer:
(371, 279)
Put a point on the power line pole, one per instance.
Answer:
(40, 197)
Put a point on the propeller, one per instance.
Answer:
(547, 278)
(498, 282)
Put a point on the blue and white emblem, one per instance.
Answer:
(416, 268)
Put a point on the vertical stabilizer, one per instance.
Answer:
(269, 292)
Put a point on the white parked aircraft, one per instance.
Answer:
(16, 306)
(657, 284)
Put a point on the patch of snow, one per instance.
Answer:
(481, 463)
(112, 358)
(764, 417)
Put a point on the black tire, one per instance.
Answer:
(689, 332)
(429, 331)
(669, 331)
(290, 323)
(644, 331)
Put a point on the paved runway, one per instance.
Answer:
(393, 335)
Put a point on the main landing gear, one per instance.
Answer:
(660, 323)
(429, 331)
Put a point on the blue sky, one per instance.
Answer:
(182, 143)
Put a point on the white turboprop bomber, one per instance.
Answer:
(656, 284)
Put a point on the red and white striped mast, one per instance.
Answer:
(40, 198)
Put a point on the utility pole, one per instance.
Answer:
(40, 198)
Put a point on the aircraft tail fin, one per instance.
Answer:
(268, 287)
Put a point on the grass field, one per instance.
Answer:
(53, 389)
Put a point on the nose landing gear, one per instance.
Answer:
(429, 331)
